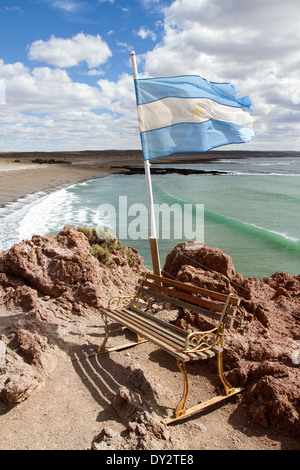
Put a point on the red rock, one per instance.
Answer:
(63, 266)
(49, 276)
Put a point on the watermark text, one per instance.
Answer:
(2, 91)
(2, 352)
(176, 221)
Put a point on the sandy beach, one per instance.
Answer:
(20, 174)
(23, 177)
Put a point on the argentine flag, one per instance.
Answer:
(190, 114)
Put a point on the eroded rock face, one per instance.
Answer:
(63, 267)
(46, 281)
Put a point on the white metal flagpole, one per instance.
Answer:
(153, 236)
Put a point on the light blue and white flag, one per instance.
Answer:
(190, 114)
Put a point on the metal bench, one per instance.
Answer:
(184, 346)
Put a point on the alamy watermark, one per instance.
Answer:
(176, 221)
(2, 352)
(2, 91)
(296, 353)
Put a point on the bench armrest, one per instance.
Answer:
(201, 340)
(121, 301)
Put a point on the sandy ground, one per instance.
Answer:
(18, 179)
(74, 404)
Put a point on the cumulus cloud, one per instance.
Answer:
(44, 90)
(69, 6)
(146, 33)
(44, 109)
(119, 96)
(2, 91)
(252, 44)
(231, 38)
(76, 130)
(71, 51)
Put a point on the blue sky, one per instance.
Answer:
(65, 75)
(122, 25)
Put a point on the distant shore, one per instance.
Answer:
(23, 173)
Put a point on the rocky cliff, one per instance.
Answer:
(50, 284)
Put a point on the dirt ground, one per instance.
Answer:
(75, 403)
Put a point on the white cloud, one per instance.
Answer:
(2, 91)
(94, 72)
(124, 47)
(149, 3)
(252, 44)
(253, 34)
(144, 33)
(69, 6)
(12, 9)
(45, 109)
(45, 90)
(119, 96)
(241, 42)
(70, 52)
(76, 130)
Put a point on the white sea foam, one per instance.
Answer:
(49, 213)
(280, 234)
(38, 213)
(252, 173)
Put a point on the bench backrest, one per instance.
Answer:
(221, 307)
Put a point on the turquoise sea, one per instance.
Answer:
(251, 213)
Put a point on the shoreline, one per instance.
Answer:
(22, 175)
(17, 183)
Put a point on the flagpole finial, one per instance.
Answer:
(133, 64)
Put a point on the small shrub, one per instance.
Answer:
(101, 253)
(90, 234)
(130, 257)
(103, 244)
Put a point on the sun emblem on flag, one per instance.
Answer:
(198, 112)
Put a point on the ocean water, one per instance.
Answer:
(250, 213)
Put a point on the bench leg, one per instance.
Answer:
(181, 413)
(102, 348)
(180, 407)
(228, 388)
